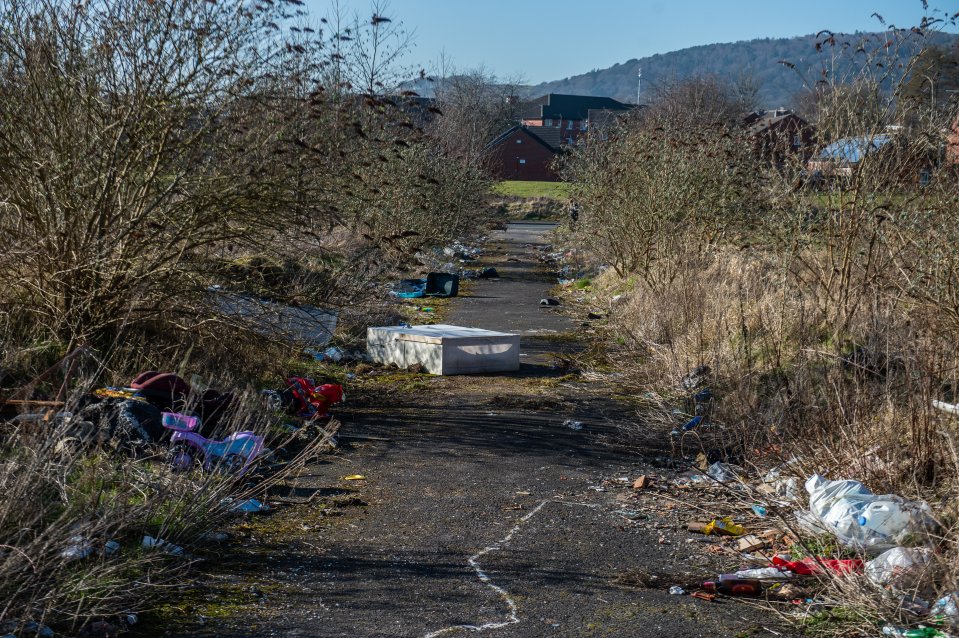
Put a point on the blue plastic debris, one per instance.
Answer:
(692, 423)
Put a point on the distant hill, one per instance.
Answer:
(776, 83)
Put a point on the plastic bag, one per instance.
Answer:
(947, 608)
(722, 472)
(901, 567)
(864, 520)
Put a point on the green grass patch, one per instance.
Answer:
(552, 190)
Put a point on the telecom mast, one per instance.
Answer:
(639, 85)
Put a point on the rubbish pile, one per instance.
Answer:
(450, 259)
(884, 541)
(436, 284)
(863, 520)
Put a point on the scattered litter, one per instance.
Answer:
(764, 574)
(772, 535)
(722, 527)
(901, 567)
(642, 482)
(862, 519)
(813, 566)
(333, 354)
(573, 425)
(436, 284)
(750, 543)
(158, 543)
(305, 399)
(78, 549)
(947, 608)
(232, 454)
(722, 472)
(354, 477)
(692, 424)
(676, 590)
(695, 378)
(249, 506)
(409, 289)
(110, 548)
(759, 510)
(917, 632)
(302, 324)
(729, 585)
(703, 596)
(132, 619)
(216, 537)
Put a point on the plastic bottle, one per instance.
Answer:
(761, 573)
(734, 586)
(918, 632)
(884, 518)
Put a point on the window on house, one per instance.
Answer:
(519, 141)
(570, 126)
(583, 125)
(548, 122)
(522, 161)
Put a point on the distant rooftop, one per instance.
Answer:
(570, 107)
(853, 149)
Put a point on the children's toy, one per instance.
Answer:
(234, 454)
(310, 401)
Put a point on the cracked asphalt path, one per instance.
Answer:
(481, 511)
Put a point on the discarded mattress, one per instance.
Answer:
(304, 324)
(444, 349)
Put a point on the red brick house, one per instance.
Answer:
(524, 153)
(780, 134)
(568, 114)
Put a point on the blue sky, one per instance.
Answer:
(541, 41)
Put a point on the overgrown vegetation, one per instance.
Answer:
(822, 300)
(135, 174)
(156, 155)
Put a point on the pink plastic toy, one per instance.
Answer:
(234, 454)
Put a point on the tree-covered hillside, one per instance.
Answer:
(758, 61)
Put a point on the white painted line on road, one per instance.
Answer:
(473, 561)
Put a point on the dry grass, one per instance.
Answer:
(824, 310)
(68, 499)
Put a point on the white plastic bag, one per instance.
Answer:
(864, 520)
(901, 567)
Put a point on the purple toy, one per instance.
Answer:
(187, 447)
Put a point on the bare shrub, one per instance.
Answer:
(820, 295)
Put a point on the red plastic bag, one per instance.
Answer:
(813, 566)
